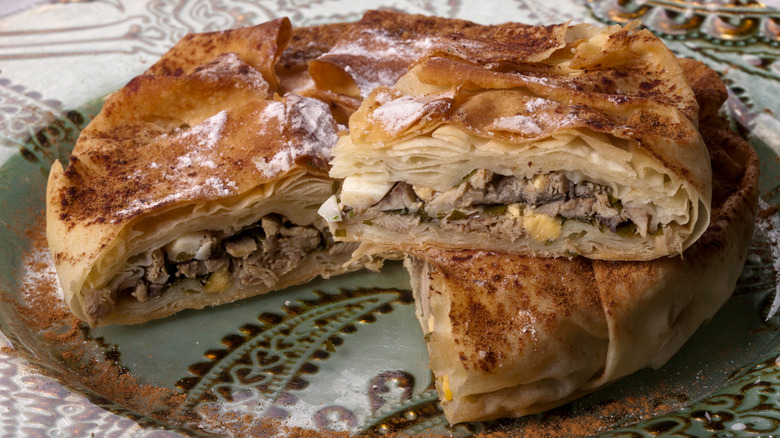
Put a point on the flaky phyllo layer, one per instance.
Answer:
(559, 140)
(197, 184)
(270, 238)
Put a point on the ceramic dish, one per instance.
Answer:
(345, 354)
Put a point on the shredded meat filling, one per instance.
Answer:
(257, 254)
(484, 194)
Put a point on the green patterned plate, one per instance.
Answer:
(344, 354)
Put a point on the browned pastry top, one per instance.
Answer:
(480, 279)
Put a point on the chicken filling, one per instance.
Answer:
(258, 254)
(493, 203)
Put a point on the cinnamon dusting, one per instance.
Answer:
(84, 364)
(80, 361)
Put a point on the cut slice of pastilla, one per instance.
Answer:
(584, 142)
(511, 335)
(195, 185)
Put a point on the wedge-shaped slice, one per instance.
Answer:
(193, 189)
(547, 141)
(511, 335)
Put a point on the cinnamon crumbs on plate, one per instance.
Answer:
(81, 363)
(58, 339)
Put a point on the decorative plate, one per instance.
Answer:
(343, 356)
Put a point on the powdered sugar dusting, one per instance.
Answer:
(312, 117)
(518, 123)
(383, 97)
(213, 187)
(230, 65)
(396, 115)
(537, 80)
(198, 148)
(383, 54)
(199, 142)
(538, 115)
(39, 268)
(184, 162)
(313, 132)
(207, 133)
(538, 103)
(275, 111)
(368, 42)
(368, 82)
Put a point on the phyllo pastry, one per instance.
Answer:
(512, 335)
(196, 184)
(547, 141)
(379, 48)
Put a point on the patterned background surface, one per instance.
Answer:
(58, 57)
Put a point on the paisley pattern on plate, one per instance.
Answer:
(345, 354)
(263, 365)
(748, 405)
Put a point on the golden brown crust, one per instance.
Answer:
(123, 158)
(627, 99)
(183, 143)
(378, 50)
(649, 308)
(259, 46)
(309, 43)
(735, 195)
(136, 147)
(505, 46)
(306, 44)
(611, 104)
(493, 298)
